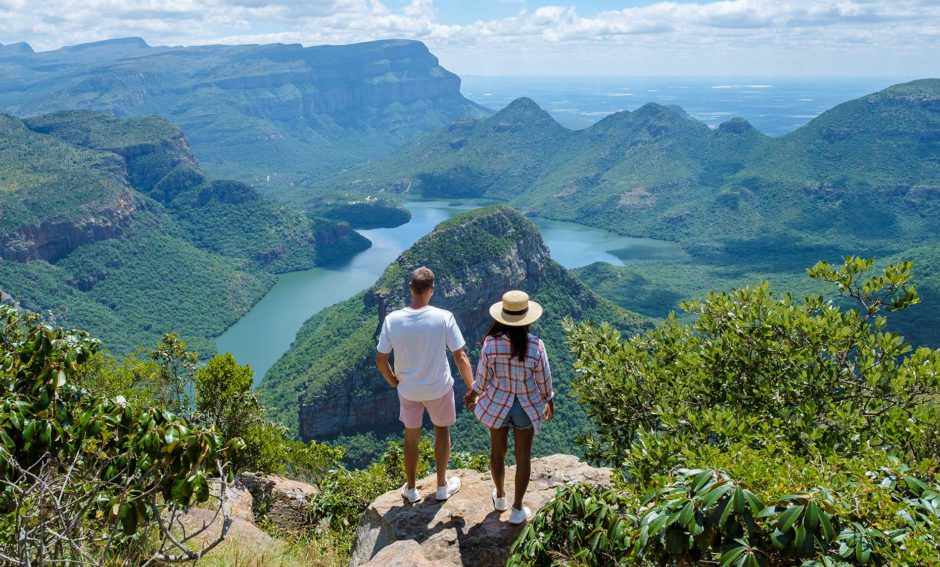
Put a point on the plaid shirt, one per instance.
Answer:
(500, 380)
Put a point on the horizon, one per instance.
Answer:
(732, 38)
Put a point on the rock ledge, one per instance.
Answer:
(465, 530)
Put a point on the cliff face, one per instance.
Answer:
(53, 238)
(283, 111)
(476, 257)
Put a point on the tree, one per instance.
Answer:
(767, 431)
(84, 478)
(177, 367)
(224, 397)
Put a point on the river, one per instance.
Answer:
(267, 331)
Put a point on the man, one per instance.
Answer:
(419, 336)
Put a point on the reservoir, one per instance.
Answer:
(267, 331)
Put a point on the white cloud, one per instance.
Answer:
(822, 35)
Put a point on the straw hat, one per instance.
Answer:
(516, 310)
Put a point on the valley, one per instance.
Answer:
(267, 331)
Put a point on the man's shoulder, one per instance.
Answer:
(443, 313)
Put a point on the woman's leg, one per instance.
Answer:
(499, 441)
(523, 439)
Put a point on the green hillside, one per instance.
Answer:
(111, 225)
(275, 116)
(476, 256)
(862, 178)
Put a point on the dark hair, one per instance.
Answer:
(518, 338)
(422, 280)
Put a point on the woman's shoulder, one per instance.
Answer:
(535, 340)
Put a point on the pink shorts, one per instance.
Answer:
(442, 411)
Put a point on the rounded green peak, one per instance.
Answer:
(736, 125)
(919, 89)
(521, 106)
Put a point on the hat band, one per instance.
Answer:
(518, 312)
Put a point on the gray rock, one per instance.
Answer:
(282, 502)
(465, 530)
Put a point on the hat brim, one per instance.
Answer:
(529, 317)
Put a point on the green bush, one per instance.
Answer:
(765, 432)
(85, 477)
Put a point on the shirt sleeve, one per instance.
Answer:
(543, 375)
(454, 337)
(484, 369)
(385, 344)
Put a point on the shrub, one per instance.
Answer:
(86, 477)
(766, 432)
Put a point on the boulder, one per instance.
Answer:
(465, 530)
(239, 502)
(282, 502)
(249, 538)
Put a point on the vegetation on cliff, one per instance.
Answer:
(111, 225)
(476, 256)
(861, 177)
(277, 116)
(767, 431)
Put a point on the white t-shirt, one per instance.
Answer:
(420, 338)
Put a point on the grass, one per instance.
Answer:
(324, 549)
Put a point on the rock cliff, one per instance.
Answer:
(272, 113)
(463, 531)
(476, 257)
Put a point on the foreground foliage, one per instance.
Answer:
(87, 478)
(766, 432)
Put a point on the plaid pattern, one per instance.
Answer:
(499, 381)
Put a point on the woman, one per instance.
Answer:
(512, 388)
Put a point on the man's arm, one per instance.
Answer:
(381, 360)
(463, 365)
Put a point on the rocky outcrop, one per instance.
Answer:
(282, 502)
(54, 238)
(475, 257)
(463, 531)
(335, 104)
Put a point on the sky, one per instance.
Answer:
(528, 37)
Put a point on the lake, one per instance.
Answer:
(267, 331)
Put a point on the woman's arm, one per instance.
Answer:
(543, 375)
(543, 379)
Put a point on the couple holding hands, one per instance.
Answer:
(512, 387)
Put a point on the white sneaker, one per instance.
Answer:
(499, 503)
(452, 487)
(411, 495)
(517, 517)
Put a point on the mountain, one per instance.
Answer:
(272, 115)
(111, 225)
(865, 172)
(862, 178)
(476, 256)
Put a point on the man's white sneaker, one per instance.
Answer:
(517, 517)
(411, 495)
(499, 503)
(451, 488)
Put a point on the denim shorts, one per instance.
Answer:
(517, 417)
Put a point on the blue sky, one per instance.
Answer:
(533, 37)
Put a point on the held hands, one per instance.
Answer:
(549, 410)
(470, 400)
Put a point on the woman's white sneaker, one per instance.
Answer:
(499, 503)
(410, 494)
(448, 490)
(517, 517)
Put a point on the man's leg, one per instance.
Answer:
(523, 441)
(412, 438)
(499, 442)
(441, 453)
(443, 414)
